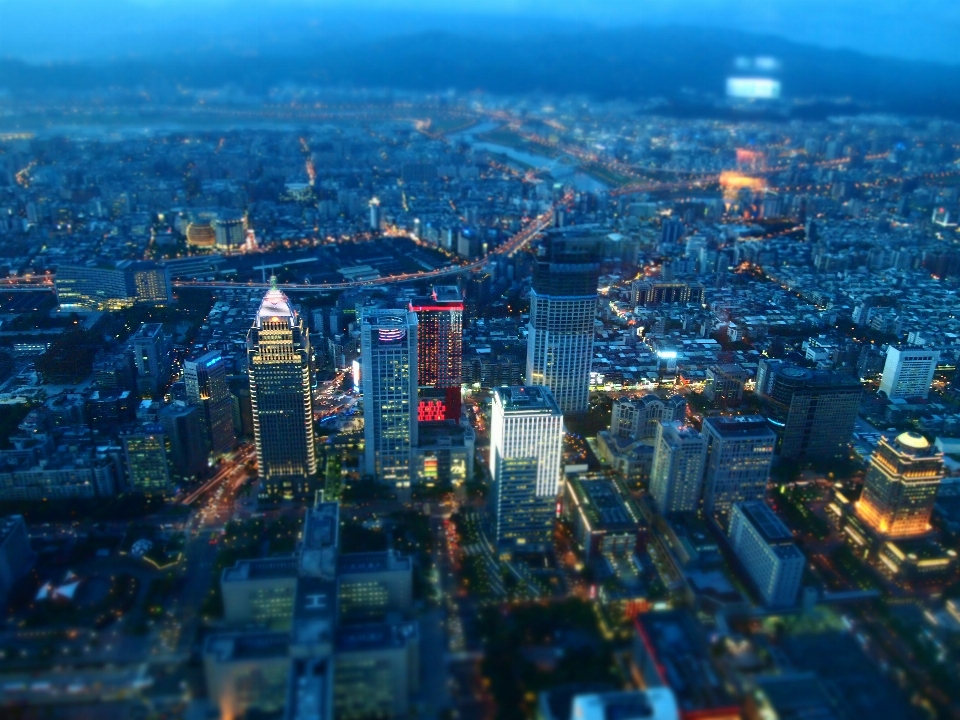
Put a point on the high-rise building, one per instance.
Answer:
(151, 355)
(526, 439)
(765, 547)
(638, 418)
(439, 353)
(388, 377)
(563, 307)
(725, 384)
(901, 486)
(16, 555)
(146, 457)
(908, 373)
(671, 232)
(206, 383)
(739, 455)
(677, 468)
(183, 427)
(278, 354)
(813, 410)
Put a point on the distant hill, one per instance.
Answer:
(672, 62)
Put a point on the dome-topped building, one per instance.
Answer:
(901, 486)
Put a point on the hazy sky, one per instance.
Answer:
(56, 29)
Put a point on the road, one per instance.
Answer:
(508, 249)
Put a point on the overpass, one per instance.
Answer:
(508, 249)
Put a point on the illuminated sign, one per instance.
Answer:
(213, 362)
(387, 335)
(756, 88)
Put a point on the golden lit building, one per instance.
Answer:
(278, 350)
(201, 235)
(901, 486)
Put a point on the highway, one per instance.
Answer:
(508, 249)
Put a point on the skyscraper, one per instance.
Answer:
(739, 455)
(278, 353)
(439, 353)
(908, 373)
(526, 439)
(901, 486)
(677, 468)
(563, 307)
(388, 377)
(206, 382)
(146, 457)
(815, 410)
(183, 427)
(151, 355)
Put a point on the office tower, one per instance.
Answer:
(813, 410)
(278, 354)
(901, 486)
(377, 669)
(260, 592)
(375, 215)
(677, 473)
(765, 547)
(439, 353)
(739, 454)
(230, 233)
(16, 556)
(908, 373)
(671, 232)
(526, 439)
(388, 376)
(372, 584)
(766, 368)
(206, 383)
(246, 671)
(112, 286)
(146, 457)
(183, 427)
(638, 418)
(151, 355)
(563, 306)
(725, 384)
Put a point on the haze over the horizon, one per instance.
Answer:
(42, 30)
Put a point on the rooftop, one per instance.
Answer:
(375, 636)
(526, 399)
(266, 568)
(232, 647)
(766, 522)
(388, 560)
(738, 426)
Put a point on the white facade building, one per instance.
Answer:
(526, 439)
(908, 373)
(765, 547)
